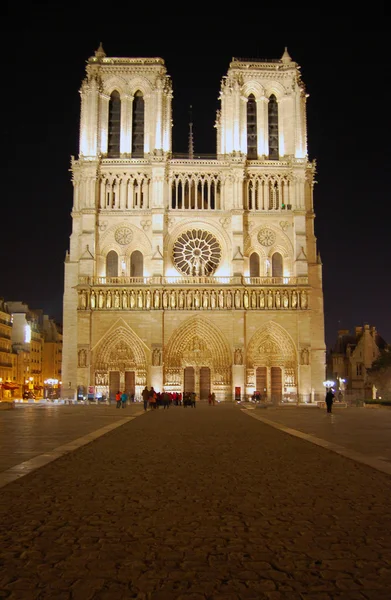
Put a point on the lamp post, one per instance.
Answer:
(1, 389)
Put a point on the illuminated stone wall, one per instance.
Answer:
(178, 263)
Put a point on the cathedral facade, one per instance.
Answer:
(190, 273)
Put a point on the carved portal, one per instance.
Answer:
(271, 346)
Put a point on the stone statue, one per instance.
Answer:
(124, 299)
(82, 358)
(93, 299)
(189, 299)
(172, 299)
(253, 300)
(197, 299)
(237, 299)
(83, 299)
(156, 299)
(116, 299)
(181, 301)
(262, 299)
(269, 299)
(156, 357)
(278, 299)
(108, 299)
(294, 299)
(221, 299)
(285, 299)
(238, 357)
(245, 299)
(165, 299)
(101, 299)
(213, 299)
(140, 299)
(132, 299)
(205, 299)
(303, 299)
(305, 357)
(148, 300)
(229, 300)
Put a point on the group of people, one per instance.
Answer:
(153, 399)
(121, 400)
(212, 399)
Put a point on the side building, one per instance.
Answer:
(193, 273)
(351, 357)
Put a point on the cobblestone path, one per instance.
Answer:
(197, 504)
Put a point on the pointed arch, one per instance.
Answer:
(272, 346)
(136, 264)
(252, 138)
(254, 265)
(138, 124)
(112, 264)
(120, 349)
(198, 342)
(114, 136)
(277, 265)
(273, 128)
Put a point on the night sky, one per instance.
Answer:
(344, 59)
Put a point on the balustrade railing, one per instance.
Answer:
(190, 280)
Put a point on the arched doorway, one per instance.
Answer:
(189, 380)
(272, 364)
(197, 349)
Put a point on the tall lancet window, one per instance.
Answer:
(252, 128)
(273, 128)
(277, 265)
(114, 125)
(112, 264)
(138, 126)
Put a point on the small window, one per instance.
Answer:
(114, 125)
(112, 264)
(273, 128)
(254, 265)
(138, 126)
(136, 264)
(277, 265)
(252, 128)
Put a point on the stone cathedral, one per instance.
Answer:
(193, 273)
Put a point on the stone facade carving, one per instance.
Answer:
(206, 231)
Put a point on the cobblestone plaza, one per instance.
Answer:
(202, 503)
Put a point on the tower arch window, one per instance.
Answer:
(252, 128)
(277, 265)
(254, 265)
(112, 264)
(114, 125)
(138, 120)
(273, 128)
(136, 264)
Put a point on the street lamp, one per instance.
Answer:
(328, 384)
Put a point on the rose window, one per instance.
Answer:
(196, 252)
(266, 237)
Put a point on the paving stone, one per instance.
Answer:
(197, 505)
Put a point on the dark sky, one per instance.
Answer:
(344, 59)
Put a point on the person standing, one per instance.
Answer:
(124, 399)
(145, 395)
(329, 400)
(118, 399)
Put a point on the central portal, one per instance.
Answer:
(197, 379)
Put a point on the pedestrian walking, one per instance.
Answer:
(213, 398)
(152, 398)
(329, 400)
(166, 400)
(118, 399)
(145, 395)
(124, 399)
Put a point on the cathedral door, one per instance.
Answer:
(261, 382)
(204, 383)
(130, 383)
(276, 384)
(189, 380)
(114, 383)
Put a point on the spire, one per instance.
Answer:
(285, 57)
(100, 53)
(191, 141)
